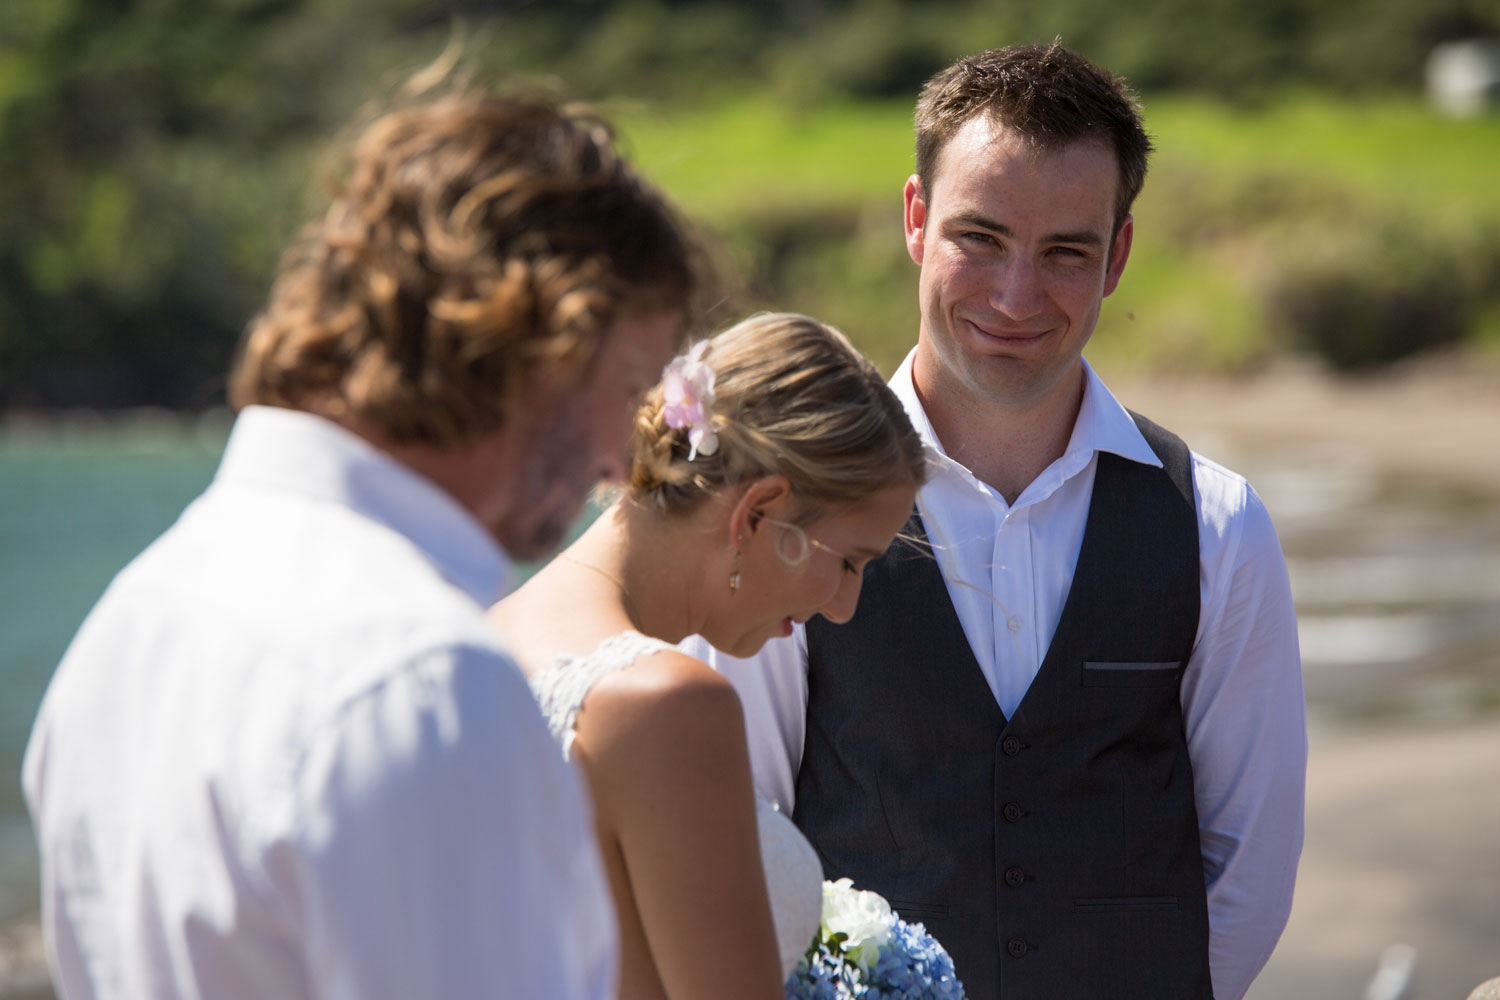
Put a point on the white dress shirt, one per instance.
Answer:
(1008, 568)
(286, 756)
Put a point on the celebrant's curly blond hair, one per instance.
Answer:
(479, 242)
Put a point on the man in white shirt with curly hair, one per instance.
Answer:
(286, 755)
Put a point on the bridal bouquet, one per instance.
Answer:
(863, 950)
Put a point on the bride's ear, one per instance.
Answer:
(766, 496)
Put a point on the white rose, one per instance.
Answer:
(864, 918)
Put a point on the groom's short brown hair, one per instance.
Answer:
(1046, 94)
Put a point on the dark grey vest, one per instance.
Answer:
(1054, 854)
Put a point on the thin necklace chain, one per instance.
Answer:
(597, 569)
(625, 602)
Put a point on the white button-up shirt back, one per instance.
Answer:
(287, 756)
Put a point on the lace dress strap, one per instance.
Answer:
(561, 688)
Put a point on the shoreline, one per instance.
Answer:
(1430, 415)
(136, 427)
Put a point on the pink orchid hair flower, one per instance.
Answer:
(687, 385)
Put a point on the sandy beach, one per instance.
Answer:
(1402, 848)
(1403, 811)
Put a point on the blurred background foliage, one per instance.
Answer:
(155, 155)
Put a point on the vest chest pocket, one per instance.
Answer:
(1146, 675)
(1124, 904)
(913, 911)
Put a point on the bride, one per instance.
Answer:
(768, 467)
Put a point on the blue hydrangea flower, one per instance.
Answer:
(911, 965)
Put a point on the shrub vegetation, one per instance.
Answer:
(155, 155)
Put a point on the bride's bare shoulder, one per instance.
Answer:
(667, 702)
(665, 683)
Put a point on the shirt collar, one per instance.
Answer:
(1103, 424)
(289, 451)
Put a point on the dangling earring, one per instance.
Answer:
(734, 574)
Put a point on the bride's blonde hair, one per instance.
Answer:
(794, 397)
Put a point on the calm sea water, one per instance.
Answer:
(77, 502)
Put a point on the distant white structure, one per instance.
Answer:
(1393, 978)
(1463, 78)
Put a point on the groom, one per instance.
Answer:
(1069, 738)
(286, 756)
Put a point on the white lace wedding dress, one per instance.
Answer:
(794, 877)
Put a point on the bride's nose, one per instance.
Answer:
(840, 608)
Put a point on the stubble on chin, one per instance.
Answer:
(1007, 381)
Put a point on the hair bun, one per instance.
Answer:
(791, 397)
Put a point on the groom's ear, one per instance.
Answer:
(765, 497)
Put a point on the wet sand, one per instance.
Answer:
(1403, 812)
(23, 965)
(1403, 847)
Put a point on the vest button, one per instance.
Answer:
(1014, 877)
(1010, 746)
(1017, 948)
(1011, 812)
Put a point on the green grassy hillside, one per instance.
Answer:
(1357, 231)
